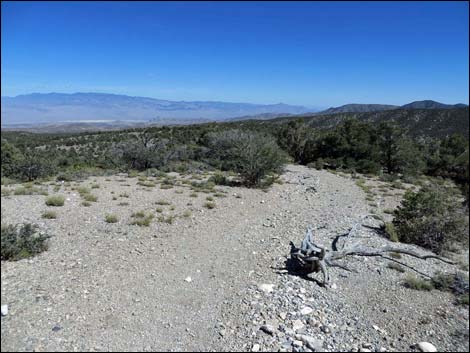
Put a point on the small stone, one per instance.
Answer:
(298, 343)
(222, 332)
(283, 316)
(297, 325)
(266, 288)
(4, 310)
(426, 347)
(364, 350)
(312, 343)
(306, 310)
(56, 328)
(255, 347)
(269, 329)
(334, 286)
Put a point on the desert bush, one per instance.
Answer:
(390, 232)
(163, 203)
(396, 267)
(251, 154)
(110, 218)
(55, 200)
(209, 205)
(141, 219)
(456, 283)
(21, 241)
(413, 282)
(49, 215)
(90, 197)
(430, 218)
(86, 203)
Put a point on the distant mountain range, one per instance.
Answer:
(101, 108)
(364, 108)
(60, 107)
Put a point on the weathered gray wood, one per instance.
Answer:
(315, 258)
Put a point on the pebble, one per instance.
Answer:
(266, 288)
(255, 347)
(269, 329)
(426, 347)
(306, 310)
(297, 325)
(188, 279)
(4, 310)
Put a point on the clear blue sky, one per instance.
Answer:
(316, 54)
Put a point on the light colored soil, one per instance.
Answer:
(115, 286)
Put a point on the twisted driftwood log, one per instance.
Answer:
(313, 258)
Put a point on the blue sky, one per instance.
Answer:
(317, 54)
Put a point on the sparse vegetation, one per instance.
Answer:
(430, 218)
(49, 215)
(142, 219)
(110, 218)
(55, 200)
(209, 205)
(413, 282)
(396, 267)
(21, 241)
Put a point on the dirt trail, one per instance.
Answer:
(120, 287)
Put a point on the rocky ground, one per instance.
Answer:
(212, 279)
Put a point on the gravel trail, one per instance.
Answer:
(194, 284)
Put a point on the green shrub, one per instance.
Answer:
(49, 215)
(413, 282)
(123, 204)
(19, 242)
(456, 283)
(56, 200)
(90, 197)
(220, 179)
(138, 214)
(148, 184)
(251, 154)
(110, 218)
(141, 219)
(82, 190)
(390, 232)
(95, 186)
(396, 267)
(86, 203)
(159, 210)
(209, 205)
(163, 203)
(187, 214)
(430, 218)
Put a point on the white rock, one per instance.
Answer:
(4, 310)
(312, 343)
(334, 286)
(255, 348)
(306, 310)
(426, 347)
(297, 325)
(188, 279)
(266, 288)
(298, 343)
